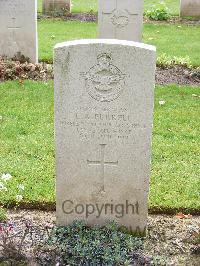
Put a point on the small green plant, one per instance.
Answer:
(80, 244)
(167, 61)
(158, 12)
(3, 215)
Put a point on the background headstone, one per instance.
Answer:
(56, 7)
(190, 8)
(18, 28)
(121, 20)
(103, 123)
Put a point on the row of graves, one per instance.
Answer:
(60, 7)
(117, 19)
(104, 95)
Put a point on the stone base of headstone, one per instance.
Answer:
(56, 7)
(190, 8)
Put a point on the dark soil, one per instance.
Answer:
(83, 17)
(88, 17)
(92, 17)
(170, 240)
(175, 20)
(14, 70)
(177, 75)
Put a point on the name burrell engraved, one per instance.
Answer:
(105, 116)
(104, 81)
(102, 123)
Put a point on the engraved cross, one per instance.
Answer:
(13, 27)
(102, 164)
(116, 15)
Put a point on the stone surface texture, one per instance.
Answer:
(121, 20)
(190, 8)
(56, 7)
(18, 28)
(104, 94)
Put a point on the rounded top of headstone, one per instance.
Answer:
(105, 41)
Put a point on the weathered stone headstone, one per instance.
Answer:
(56, 7)
(104, 94)
(120, 19)
(18, 28)
(190, 8)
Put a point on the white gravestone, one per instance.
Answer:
(120, 19)
(190, 8)
(104, 94)
(18, 28)
(56, 7)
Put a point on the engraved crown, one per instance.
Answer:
(104, 55)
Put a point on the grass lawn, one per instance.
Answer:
(79, 6)
(27, 149)
(170, 39)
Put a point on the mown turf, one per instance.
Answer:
(173, 40)
(27, 146)
(175, 163)
(92, 5)
(170, 39)
(79, 6)
(52, 32)
(26, 139)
